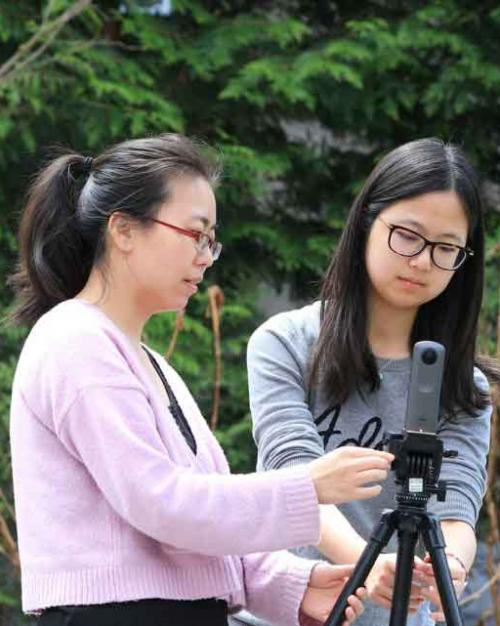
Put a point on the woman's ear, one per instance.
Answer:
(121, 231)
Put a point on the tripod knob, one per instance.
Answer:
(441, 491)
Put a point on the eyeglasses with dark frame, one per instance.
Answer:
(203, 241)
(407, 242)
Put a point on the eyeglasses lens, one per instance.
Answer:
(448, 257)
(407, 243)
(205, 242)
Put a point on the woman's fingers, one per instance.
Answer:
(438, 617)
(431, 594)
(413, 606)
(381, 591)
(339, 475)
(362, 593)
(350, 615)
(363, 493)
(367, 473)
(324, 574)
(381, 581)
(355, 451)
(355, 607)
(416, 594)
(382, 601)
(373, 475)
(368, 462)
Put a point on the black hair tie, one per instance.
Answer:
(87, 165)
(80, 169)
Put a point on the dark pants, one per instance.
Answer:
(141, 613)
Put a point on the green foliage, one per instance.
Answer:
(300, 98)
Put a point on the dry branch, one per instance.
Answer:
(7, 544)
(179, 325)
(36, 45)
(215, 304)
(479, 592)
(7, 505)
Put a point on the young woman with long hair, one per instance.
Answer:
(408, 267)
(126, 510)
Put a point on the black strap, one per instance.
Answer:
(153, 612)
(175, 407)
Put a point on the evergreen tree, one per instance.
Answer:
(301, 99)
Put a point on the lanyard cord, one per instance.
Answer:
(175, 408)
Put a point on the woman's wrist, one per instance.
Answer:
(454, 555)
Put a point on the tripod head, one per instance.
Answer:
(417, 466)
(418, 451)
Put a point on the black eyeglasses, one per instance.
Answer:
(406, 242)
(203, 241)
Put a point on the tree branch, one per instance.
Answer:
(39, 41)
(7, 504)
(477, 594)
(215, 303)
(7, 544)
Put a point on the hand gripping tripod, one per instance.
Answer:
(418, 456)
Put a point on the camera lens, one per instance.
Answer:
(429, 356)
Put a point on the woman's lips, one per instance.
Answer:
(192, 286)
(410, 283)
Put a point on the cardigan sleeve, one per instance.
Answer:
(275, 584)
(112, 431)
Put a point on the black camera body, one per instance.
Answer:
(418, 451)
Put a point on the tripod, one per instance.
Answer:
(417, 465)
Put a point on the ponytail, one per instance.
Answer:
(62, 232)
(55, 258)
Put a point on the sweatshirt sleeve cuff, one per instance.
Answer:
(298, 461)
(457, 506)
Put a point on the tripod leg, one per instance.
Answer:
(435, 544)
(407, 538)
(375, 545)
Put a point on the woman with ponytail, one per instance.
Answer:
(126, 510)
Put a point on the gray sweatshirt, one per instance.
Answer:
(294, 425)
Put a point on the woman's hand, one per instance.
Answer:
(459, 578)
(342, 475)
(380, 582)
(325, 584)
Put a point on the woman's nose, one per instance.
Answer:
(205, 258)
(423, 259)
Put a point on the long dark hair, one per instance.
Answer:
(62, 231)
(342, 360)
